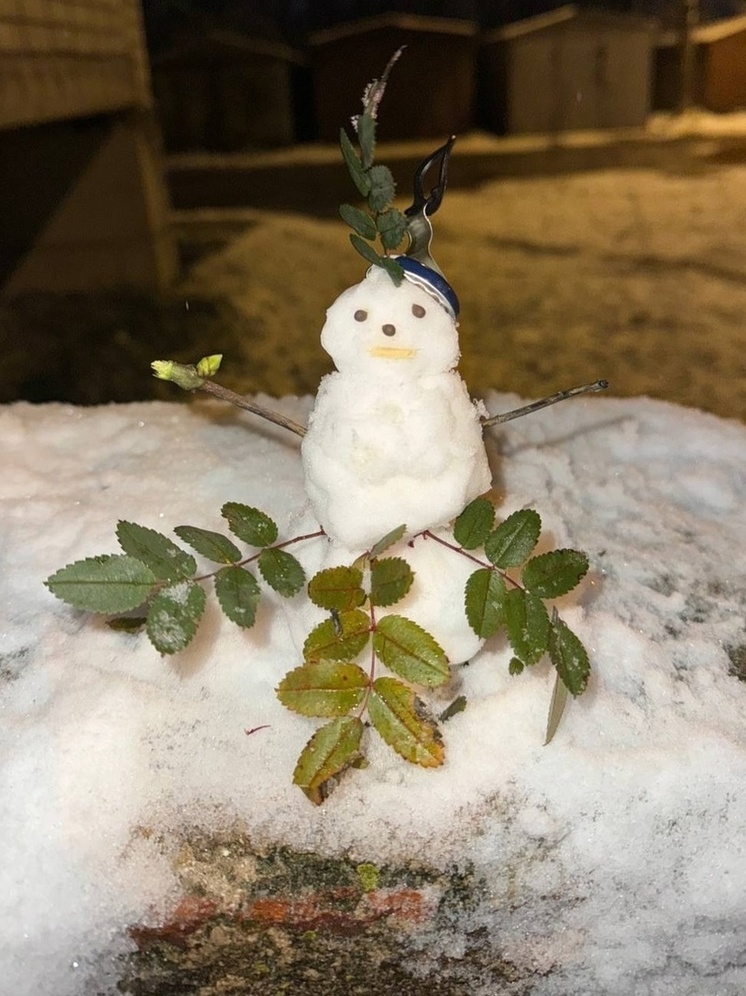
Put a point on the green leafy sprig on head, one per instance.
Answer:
(381, 223)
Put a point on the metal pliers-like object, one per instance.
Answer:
(419, 228)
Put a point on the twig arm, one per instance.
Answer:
(598, 385)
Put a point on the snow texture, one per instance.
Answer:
(615, 857)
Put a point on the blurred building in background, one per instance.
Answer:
(718, 70)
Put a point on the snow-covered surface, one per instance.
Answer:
(615, 856)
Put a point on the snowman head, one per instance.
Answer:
(377, 329)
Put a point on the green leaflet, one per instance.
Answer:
(485, 597)
(473, 526)
(354, 167)
(386, 541)
(339, 588)
(366, 250)
(393, 269)
(173, 615)
(390, 580)
(329, 752)
(111, 583)
(569, 656)
(342, 641)
(402, 721)
(358, 221)
(516, 666)
(165, 559)
(214, 546)
(366, 135)
(391, 224)
(458, 705)
(382, 188)
(553, 574)
(249, 524)
(556, 708)
(329, 688)
(514, 539)
(527, 625)
(238, 593)
(281, 571)
(409, 651)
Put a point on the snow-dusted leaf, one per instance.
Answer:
(382, 187)
(329, 752)
(165, 559)
(214, 546)
(569, 656)
(358, 221)
(352, 162)
(386, 541)
(410, 651)
(556, 707)
(238, 593)
(339, 639)
(339, 588)
(403, 722)
(391, 225)
(250, 524)
(555, 573)
(390, 580)
(485, 595)
(281, 571)
(527, 625)
(329, 688)
(513, 540)
(473, 526)
(173, 615)
(111, 583)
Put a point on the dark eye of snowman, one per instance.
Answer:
(418, 311)
(360, 315)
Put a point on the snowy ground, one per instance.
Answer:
(615, 857)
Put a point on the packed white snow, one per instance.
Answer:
(615, 856)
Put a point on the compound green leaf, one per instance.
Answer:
(250, 524)
(165, 559)
(330, 751)
(391, 224)
(485, 597)
(238, 593)
(386, 541)
(329, 688)
(214, 546)
(111, 583)
(390, 580)
(281, 571)
(382, 188)
(513, 540)
(403, 722)
(527, 625)
(553, 574)
(339, 639)
(173, 615)
(569, 656)
(339, 588)
(473, 526)
(352, 161)
(358, 221)
(409, 651)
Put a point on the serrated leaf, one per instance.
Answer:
(386, 541)
(391, 224)
(358, 221)
(366, 135)
(338, 640)
(402, 721)
(410, 651)
(339, 588)
(329, 688)
(485, 596)
(212, 545)
(238, 593)
(165, 559)
(569, 656)
(556, 708)
(111, 583)
(555, 573)
(390, 580)
(513, 540)
(281, 571)
(515, 666)
(382, 188)
(473, 526)
(250, 524)
(366, 250)
(330, 751)
(173, 615)
(352, 161)
(527, 625)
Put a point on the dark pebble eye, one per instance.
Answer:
(360, 315)
(418, 311)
